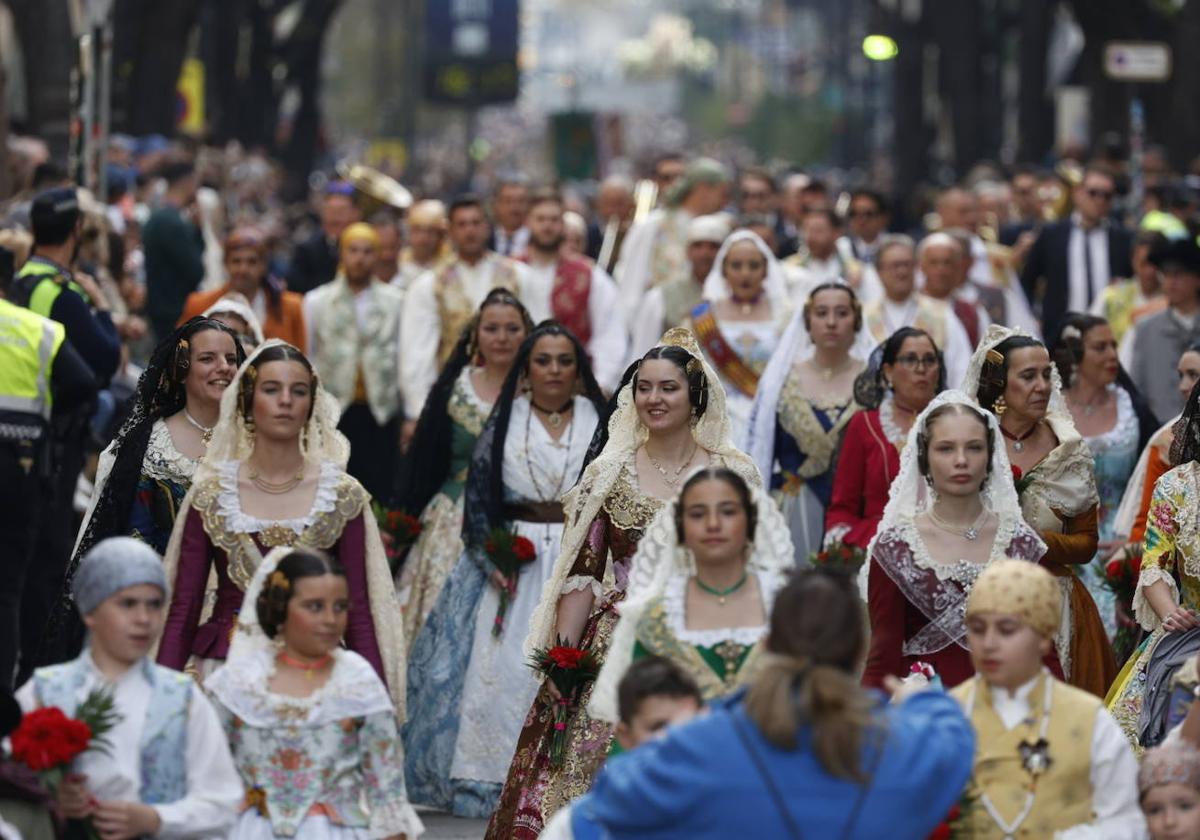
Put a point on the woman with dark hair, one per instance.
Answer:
(275, 476)
(310, 724)
(669, 418)
(804, 751)
(805, 401)
(469, 687)
(1167, 601)
(952, 512)
(1114, 422)
(903, 375)
(1012, 376)
(704, 578)
(435, 470)
(145, 472)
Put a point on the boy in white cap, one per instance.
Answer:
(168, 771)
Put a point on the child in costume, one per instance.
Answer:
(168, 771)
(1049, 759)
(1169, 791)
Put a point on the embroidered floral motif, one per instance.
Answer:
(627, 505)
(798, 417)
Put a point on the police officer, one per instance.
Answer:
(40, 374)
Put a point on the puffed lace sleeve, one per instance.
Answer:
(1158, 551)
(383, 778)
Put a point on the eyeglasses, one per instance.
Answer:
(1105, 195)
(912, 361)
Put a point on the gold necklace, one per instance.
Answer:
(828, 373)
(276, 488)
(672, 481)
(206, 432)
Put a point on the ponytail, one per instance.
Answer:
(816, 641)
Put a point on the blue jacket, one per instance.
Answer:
(699, 781)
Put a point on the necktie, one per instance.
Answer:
(1087, 264)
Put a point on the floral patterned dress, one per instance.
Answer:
(324, 767)
(1115, 454)
(440, 543)
(1170, 552)
(534, 790)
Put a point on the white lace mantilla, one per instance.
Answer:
(887, 420)
(163, 461)
(675, 605)
(229, 501)
(961, 570)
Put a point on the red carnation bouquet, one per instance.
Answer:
(1022, 480)
(47, 741)
(839, 556)
(570, 669)
(1121, 575)
(508, 553)
(398, 529)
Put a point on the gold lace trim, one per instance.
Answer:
(325, 530)
(464, 410)
(627, 506)
(797, 416)
(654, 632)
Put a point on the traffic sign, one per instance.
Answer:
(1137, 61)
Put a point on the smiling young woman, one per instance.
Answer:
(275, 476)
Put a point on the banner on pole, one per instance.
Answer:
(471, 51)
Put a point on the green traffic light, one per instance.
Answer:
(880, 48)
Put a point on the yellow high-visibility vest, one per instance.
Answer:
(29, 344)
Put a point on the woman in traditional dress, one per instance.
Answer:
(953, 511)
(435, 472)
(703, 584)
(1114, 422)
(235, 312)
(274, 476)
(469, 687)
(310, 725)
(805, 400)
(145, 472)
(741, 318)
(1168, 590)
(1012, 376)
(904, 374)
(669, 418)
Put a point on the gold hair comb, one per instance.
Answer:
(682, 338)
(995, 357)
(279, 580)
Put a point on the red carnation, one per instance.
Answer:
(1016, 471)
(524, 550)
(566, 657)
(1113, 569)
(489, 547)
(47, 739)
(1135, 563)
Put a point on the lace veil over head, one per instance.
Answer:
(775, 284)
(659, 558)
(626, 433)
(995, 336)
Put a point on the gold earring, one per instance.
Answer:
(999, 406)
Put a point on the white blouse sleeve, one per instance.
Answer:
(420, 335)
(1116, 814)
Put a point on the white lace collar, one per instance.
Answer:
(229, 501)
(162, 460)
(675, 605)
(960, 570)
(1124, 430)
(887, 421)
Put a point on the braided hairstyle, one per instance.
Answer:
(276, 353)
(729, 477)
(925, 433)
(993, 374)
(280, 587)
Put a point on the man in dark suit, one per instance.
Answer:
(1073, 260)
(315, 260)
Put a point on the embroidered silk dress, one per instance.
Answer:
(469, 691)
(1114, 454)
(807, 431)
(718, 660)
(439, 545)
(533, 789)
(218, 536)
(915, 603)
(324, 767)
(1171, 548)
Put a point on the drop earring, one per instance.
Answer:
(999, 406)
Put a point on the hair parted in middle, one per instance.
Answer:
(951, 409)
(727, 476)
(280, 586)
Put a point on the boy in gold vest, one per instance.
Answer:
(1050, 761)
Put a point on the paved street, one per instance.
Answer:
(440, 826)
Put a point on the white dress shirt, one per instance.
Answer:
(1116, 814)
(214, 788)
(1080, 295)
(607, 344)
(421, 324)
(636, 262)
(511, 244)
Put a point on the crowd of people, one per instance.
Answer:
(730, 512)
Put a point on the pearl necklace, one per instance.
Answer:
(206, 432)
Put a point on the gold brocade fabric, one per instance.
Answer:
(325, 530)
(627, 506)
(654, 634)
(1063, 794)
(797, 416)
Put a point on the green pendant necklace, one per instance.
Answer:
(722, 594)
